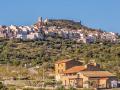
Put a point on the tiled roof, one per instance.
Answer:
(75, 69)
(62, 61)
(96, 73)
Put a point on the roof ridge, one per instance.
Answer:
(75, 69)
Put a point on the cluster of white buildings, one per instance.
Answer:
(21, 32)
(82, 35)
(40, 31)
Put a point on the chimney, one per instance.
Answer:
(92, 62)
(93, 66)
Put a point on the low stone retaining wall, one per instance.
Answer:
(22, 82)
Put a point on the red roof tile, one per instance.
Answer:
(75, 69)
(97, 73)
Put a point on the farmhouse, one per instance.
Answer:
(74, 73)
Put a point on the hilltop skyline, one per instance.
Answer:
(95, 14)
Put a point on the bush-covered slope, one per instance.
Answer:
(18, 52)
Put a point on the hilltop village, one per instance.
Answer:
(66, 29)
(58, 54)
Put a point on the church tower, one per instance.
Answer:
(40, 22)
(39, 19)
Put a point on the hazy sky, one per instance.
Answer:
(104, 14)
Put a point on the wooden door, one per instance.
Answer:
(79, 83)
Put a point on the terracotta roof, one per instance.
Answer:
(62, 61)
(75, 69)
(96, 73)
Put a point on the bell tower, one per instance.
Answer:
(40, 22)
(39, 19)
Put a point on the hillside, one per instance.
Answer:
(17, 52)
(50, 40)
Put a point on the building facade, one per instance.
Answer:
(63, 65)
(77, 75)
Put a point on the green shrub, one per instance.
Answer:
(71, 88)
(61, 88)
(28, 89)
(2, 87)
(12, 88)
